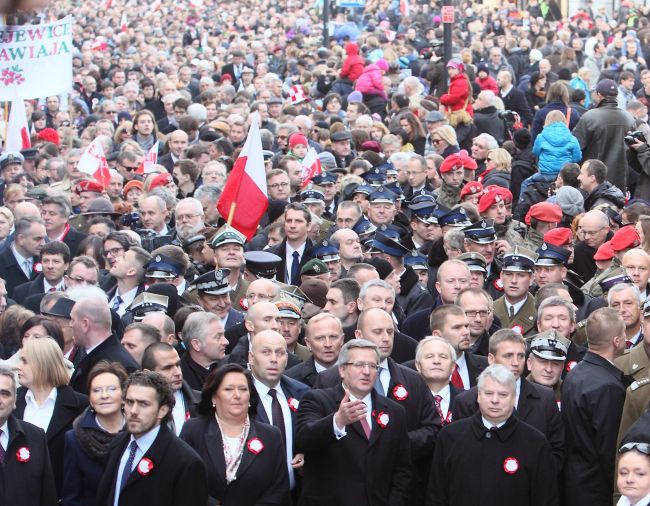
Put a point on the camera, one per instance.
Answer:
(509, 116)
(435, 47)
(131, 220)
(634, 137)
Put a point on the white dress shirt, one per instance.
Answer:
(340, 432)
(624, 501)
(289, 258)
(178, 413)
(463, 371)
(517, 391)
(267, 401)
(488, 425)
(445, 395)
(127, 299)
(144, 443)
(4, 436)
(58, 287)
(39, 415)
(517, 307)
(319, 368)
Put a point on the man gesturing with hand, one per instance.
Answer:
(355, 441)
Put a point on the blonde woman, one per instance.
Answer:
(497, 169)
(6, 222)
(44, 397)
(444, 141)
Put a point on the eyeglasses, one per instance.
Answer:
(186, 217)
(483, 313)
(113, 252)
(435, 141)
(362, 365)
(65, 124)
(589, 232)
(275, 186)
(130, 169)
(641, 447)
(79, 279)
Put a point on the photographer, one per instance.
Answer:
(639, 158)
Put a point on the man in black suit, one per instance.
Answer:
(434, 360)
(91, 332)
(163, 358)
(205, 345)
(354, 439)
(148, 464)
(177, 143)
(55, 258)
(402, 385)
(324, 337)
(493, 458)
(56, 210)
(451, 323)
(535, 404)
(276, 396)
(593, 395)
(24, 458)
(294, 250)
(235, 68)
(513, 98)
(19, 261)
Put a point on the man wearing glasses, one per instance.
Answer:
(478, 307)
(127, 163)
(352, 431)
(278, 184)
(594, 227)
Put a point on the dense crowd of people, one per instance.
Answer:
(454, 309)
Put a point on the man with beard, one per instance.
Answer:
(189, 218)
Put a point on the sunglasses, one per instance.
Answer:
(641, 447)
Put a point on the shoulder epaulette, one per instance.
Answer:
(639, 383)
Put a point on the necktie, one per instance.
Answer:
(27, 268)
(126, 472)
(438, 400)
(116, 304)
(52, 289)
(295, 268)
(276, 413)
(456, 380)
(379, 388)
(2, 451)
(365, 426)
(628, 344)
(512, 311)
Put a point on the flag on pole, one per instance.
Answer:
(148, 165)
(124, 24)
(244, 198)
(93, 162)
(107, 4)
(310, 167)
(404, 7)
(17, 129)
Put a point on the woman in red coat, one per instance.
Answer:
(457, 101)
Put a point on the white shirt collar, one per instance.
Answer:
(319, 368)
(4, 438)
(489, 425)
(517, 306)
(445, 393)
(146, 440)
(261, 388)
(47, 286)
(29, 397)
(21, 259)
(624, 501)
(300, 250)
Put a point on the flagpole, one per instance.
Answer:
(231, 214)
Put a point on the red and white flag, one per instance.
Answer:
(17, 129)
(124, 25)
(148, 165)
(310, 167)
(107, 4)
(404, 7)
(93, 162)
(244, 198)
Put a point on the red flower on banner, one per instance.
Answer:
(12, 75)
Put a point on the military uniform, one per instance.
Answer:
(229, 235)
(533, 239)
(511, 231)
(592, 287)
(447, 195)
(524, 320)
(637, 397)
(635, 362)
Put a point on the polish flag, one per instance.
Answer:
(310, 167)
(148, 164)
(93, 162)
(124, 25)
(107, 4)
(404, 7)
(17, 130)
(244, 198)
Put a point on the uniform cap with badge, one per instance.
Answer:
(550, 345)
(315, 267)
(550, 255)
(324, 178)
(146, 302)
(364, 189)
(164, 267)
(375, 176)
(262, 264)
(227, 235)
(475, 261)
(618, 276)
(416, 261)
(325, 251)
(456, 217)
(385, 244)
(488, 199)
(422, 208)
(382, 196)
(470, 189)
(519, 260)
(213, 283)
(312, 195)
(481, 232)
(10, 158)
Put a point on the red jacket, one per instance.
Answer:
(489, 83)
(459, 91)
(353, 64)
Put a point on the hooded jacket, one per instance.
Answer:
(370, 82)
(458, 97)
(554, 147)
(353, 64)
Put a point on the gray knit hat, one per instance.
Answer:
(570, 200)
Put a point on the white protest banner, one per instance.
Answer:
(35, 60)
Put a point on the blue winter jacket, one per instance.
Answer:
(554, 147)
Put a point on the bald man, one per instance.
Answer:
(278, 396)
(178, 141)
(595, 227)
(400, 384)
(91, 332)
(636, 263)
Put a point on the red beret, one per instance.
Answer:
(49, 135)
(460, 159)
(225, 77)
(161, 180)
(88, 186)
(605, 252)
(488, 200)
(544, 211)
(505, 194)
(625, 238)
(471, 188)
(559, 236)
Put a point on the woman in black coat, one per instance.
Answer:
(87, 444)
(249, 467)
(44, 398)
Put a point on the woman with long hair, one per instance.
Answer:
(144, 131)
(415, 134)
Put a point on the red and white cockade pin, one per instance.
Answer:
(23, 454)
(511, 465)
(243, 303)
(383, 419)
(187, 416)
(293, 403)
(38, 267)
(400, 392)
(570, 365)
(145, 466)
(255, 446)
(498, 284)
(518, 328)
